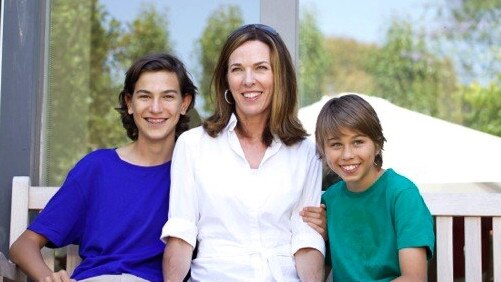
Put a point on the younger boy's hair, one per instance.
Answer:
(352, 112)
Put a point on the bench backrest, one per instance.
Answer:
(444, 206)
(472, 206)
(26, 198)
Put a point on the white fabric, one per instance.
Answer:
(246, 220)
(124, 277)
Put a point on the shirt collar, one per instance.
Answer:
(232, 124)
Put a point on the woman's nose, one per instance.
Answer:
(249, 78)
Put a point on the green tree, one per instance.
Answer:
(221, 22)
(482, 106)
(347, 71)
(68, 86)
(147, 33)
(312, 59)
(409, 75)
(104, 125)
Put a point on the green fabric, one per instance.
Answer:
(367, 229)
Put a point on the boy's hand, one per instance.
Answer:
(60, 276)
(316, 218)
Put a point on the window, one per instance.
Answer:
(91, 45)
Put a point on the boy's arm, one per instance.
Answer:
(25, 253)
(176, 260)
(413, 264)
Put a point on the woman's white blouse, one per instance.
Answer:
(246, 221)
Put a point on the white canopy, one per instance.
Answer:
(428, 150)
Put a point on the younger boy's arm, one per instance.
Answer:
(25, 252)
(316, 218)
(413, 264)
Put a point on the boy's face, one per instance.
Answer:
(156, 105)
(351, 156)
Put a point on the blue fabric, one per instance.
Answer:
(115, 211)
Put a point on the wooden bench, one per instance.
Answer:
(26, 198)
(472, 206)
(443, 205)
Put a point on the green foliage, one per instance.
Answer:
(147, 33)
(68, 86)
(409, 75)
(104, 125)
(312, 59)
(221, 22)
(347, 71)
(482, 107)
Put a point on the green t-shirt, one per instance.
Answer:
(367, 229)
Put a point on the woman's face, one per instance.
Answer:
(250, 78)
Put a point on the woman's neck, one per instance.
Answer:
(251, 128)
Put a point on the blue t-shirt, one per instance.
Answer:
(115, 211)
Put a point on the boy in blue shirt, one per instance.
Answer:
(114, 202)
(378, 226)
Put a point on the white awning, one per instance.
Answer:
(425, 149)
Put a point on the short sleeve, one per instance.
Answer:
(61, 221)
(413, 221)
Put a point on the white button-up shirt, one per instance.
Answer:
(246, 221)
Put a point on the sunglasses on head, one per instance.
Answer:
(266, 28)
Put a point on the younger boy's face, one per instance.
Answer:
(351, 156)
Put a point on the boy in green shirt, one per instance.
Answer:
(378, 225)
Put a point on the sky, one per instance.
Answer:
(363, 20)
(186, 19)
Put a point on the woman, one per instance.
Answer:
(240, 180)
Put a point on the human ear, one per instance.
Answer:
(186, 103)
(128, 101)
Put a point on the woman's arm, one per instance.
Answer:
(413, 264)
(177, 259)
(316, 218)
(310, 265)
(25, 252)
